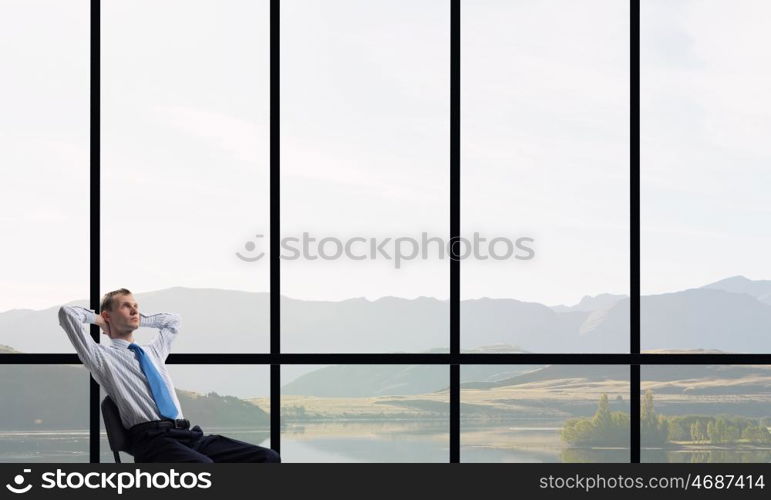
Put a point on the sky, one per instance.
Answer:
(365, 144)
(705, 125)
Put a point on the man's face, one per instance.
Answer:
(125, 313)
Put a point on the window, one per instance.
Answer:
(44, 415)
(705, 413)
(222, 128)
(552, 413)
(184, 164)
(44, 192)
(221, 399)
(705, 176)
(545, 175)
(365, 413)
(364, 153)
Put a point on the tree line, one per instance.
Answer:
(611, 428)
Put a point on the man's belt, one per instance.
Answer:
(167, 423)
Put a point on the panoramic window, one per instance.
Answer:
(361, 341)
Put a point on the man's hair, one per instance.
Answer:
(108, 301)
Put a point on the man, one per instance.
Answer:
(136, 379)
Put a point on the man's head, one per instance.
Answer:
(121, 312)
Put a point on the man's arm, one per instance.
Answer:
(75, 320)
(168, 327)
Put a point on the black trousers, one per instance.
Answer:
(190, 445)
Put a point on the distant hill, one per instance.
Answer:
(752, 376)
(708, 319)
(561, 390)
(383, 380)
(709, 389)
(678, 389)
(760, 289)
(589, 303)
(593, 373)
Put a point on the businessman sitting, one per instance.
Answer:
(136, 378)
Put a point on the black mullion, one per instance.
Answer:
(634, 243)
(634, 181)
(470, 359)
(634, 414)
(417, 359)
(454, 413)
(454, 228)
(94, 192)
(275, 231)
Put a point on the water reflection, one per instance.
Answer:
(528, 440)
(44, 446)
(57, 446)
(706, 456)
(372, 441)
(385, 442)
(594, 455)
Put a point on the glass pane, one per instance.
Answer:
(553, 413)
(221, 399)
(44, 413)
(185, 162)
(545, 175)
(705, 211)
(705, 413)
(44, 179)
(365, 161)
(365, 413)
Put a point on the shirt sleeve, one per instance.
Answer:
(75, 320)
(168, 327)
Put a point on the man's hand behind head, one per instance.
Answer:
(103, 324)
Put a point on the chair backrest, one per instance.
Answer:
(117, 435)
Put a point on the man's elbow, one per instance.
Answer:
(71, 314)
(175, 321)
(169, 321)
(64, 312)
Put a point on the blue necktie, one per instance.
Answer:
(161, 395)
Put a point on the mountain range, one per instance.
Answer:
(730, 315)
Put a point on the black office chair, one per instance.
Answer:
(117, 435)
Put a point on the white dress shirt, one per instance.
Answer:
(116, 368)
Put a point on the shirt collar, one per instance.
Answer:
(120, 343)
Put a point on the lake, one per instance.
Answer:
(377, 441)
